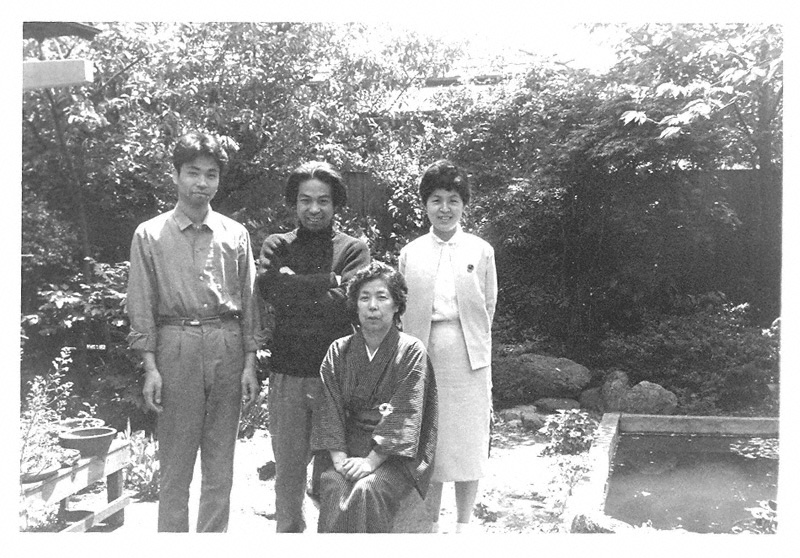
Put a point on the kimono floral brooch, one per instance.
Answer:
(385, 409)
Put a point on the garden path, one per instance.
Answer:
(523, 492)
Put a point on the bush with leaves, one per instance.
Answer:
(569, 432)
(710, 355)
(90, 315)
(143, 471)
(44, 407)
(47, 402)
(256, 417)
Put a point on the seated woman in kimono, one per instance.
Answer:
(375, 429)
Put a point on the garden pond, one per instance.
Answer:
(698, 483)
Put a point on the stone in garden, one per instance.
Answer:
(509, 414)
(544, 376)
(516, 413)
(526, 416)
(533, 421)
(649, 399)
(598, 523)
(592, 399)
(553, 404)
(614, 389)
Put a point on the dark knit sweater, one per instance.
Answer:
(310, 308)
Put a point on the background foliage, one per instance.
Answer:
(609, 198)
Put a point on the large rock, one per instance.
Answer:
(648, 398)
(592, 399)
(517, 413)
(614, 389)
(554, 404)
(543, 376)
(598, 523)
(526, 416)
(533, 422)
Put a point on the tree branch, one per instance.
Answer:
(774, 108)
(742, 123)
(122, 71)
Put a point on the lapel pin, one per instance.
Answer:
(470, 267)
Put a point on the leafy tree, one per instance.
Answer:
(732, 73)
(593, 199)
(727, 78)
(96, 157)
(599, 223)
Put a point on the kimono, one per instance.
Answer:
(389, 402)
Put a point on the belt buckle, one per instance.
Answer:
(193, 322)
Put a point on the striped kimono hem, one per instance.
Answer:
(367, 506)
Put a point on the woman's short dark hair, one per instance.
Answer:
(394, 280)
(196, 144)
(321, 171)
(446, 175)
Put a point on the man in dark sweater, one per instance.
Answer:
(302, 274)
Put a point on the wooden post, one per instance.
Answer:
(114, 486)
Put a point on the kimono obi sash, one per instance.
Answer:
(363, 393)
(359, 425)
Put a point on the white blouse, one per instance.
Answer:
(445, 304)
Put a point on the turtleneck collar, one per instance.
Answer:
(305, 233)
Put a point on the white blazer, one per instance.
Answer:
(476, 290)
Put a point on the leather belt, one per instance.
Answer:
(197, 322)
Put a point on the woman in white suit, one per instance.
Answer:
(452, 291)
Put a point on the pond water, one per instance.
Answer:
(695, 483)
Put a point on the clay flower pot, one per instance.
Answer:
(89, 441)
(50, 471)
(74, 423)
(39, 471)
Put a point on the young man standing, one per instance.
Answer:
(302, 274)
(195, 321)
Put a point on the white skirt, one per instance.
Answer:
(465, 403)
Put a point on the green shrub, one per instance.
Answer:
(143, 471)
(45, 404)
(90, 315)
(256, 417)
(569, 431)
(712, 358)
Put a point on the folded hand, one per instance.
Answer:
(356, 468)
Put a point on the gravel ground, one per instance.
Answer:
(524, 492)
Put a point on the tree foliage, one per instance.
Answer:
(731, 73)
(96, 158)
(602, 194)
(605, 225)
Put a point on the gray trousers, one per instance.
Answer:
(291, 401)
(201, 369)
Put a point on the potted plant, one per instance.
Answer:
(40, 451)
(41, 421)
